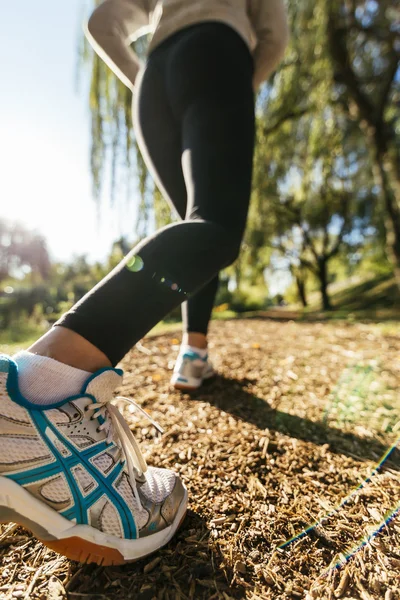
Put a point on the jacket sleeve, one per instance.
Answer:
(270, 23)
(111, 29)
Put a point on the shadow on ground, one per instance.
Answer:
(188, 566)
(231, 396)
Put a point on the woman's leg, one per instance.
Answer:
(208, 88)
(192, 365)
(164, 161)
(196, 313)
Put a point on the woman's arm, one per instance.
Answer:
(270, 22)
(110, 31)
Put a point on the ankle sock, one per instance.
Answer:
(43, 380)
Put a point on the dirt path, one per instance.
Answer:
(295, 421)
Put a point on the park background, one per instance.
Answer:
(311, 308)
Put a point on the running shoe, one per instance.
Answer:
(191, 370)
(73, 474)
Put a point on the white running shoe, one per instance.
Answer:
(191, 370)
(74, 475)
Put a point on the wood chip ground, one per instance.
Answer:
(297, 419)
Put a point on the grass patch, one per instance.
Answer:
(19, 336)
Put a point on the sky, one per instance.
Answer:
(45, 181)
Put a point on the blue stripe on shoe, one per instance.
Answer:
(194, 356)
(65, 465)
(69, 513)
(97, 493)
(93, 450)
(32, 475)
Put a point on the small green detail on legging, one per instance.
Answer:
(135, 264)
(170, 284)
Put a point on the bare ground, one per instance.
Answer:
(297, 419)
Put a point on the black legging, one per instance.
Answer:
(195, 126)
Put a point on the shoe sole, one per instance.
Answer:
(82, 543)
(186, 387)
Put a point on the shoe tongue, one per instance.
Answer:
(103, 384)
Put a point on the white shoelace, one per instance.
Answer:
(119, 433)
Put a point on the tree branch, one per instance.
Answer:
(339, 52)
(392, 70)
(309, 242)
(309, 265)
(345, 211)
(291, 116)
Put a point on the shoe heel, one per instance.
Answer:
(16, 503)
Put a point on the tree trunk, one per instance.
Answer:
(392, 212)
(323, 283)
(301, 289)
(238, 273)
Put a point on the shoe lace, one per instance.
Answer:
(119, 432)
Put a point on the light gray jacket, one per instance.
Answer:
(116, 23)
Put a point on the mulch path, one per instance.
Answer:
(296, 420)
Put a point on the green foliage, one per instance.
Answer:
(326, 193)
(20, 331)
(250, 298)
(363, 40)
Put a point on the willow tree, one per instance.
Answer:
(115, 159)
(346, 58)
(364, 43)
(323, 199)
(319, 160)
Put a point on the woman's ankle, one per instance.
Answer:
(70, 348)
(195, 339)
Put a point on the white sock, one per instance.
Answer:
(43, 380)
(202, 352)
